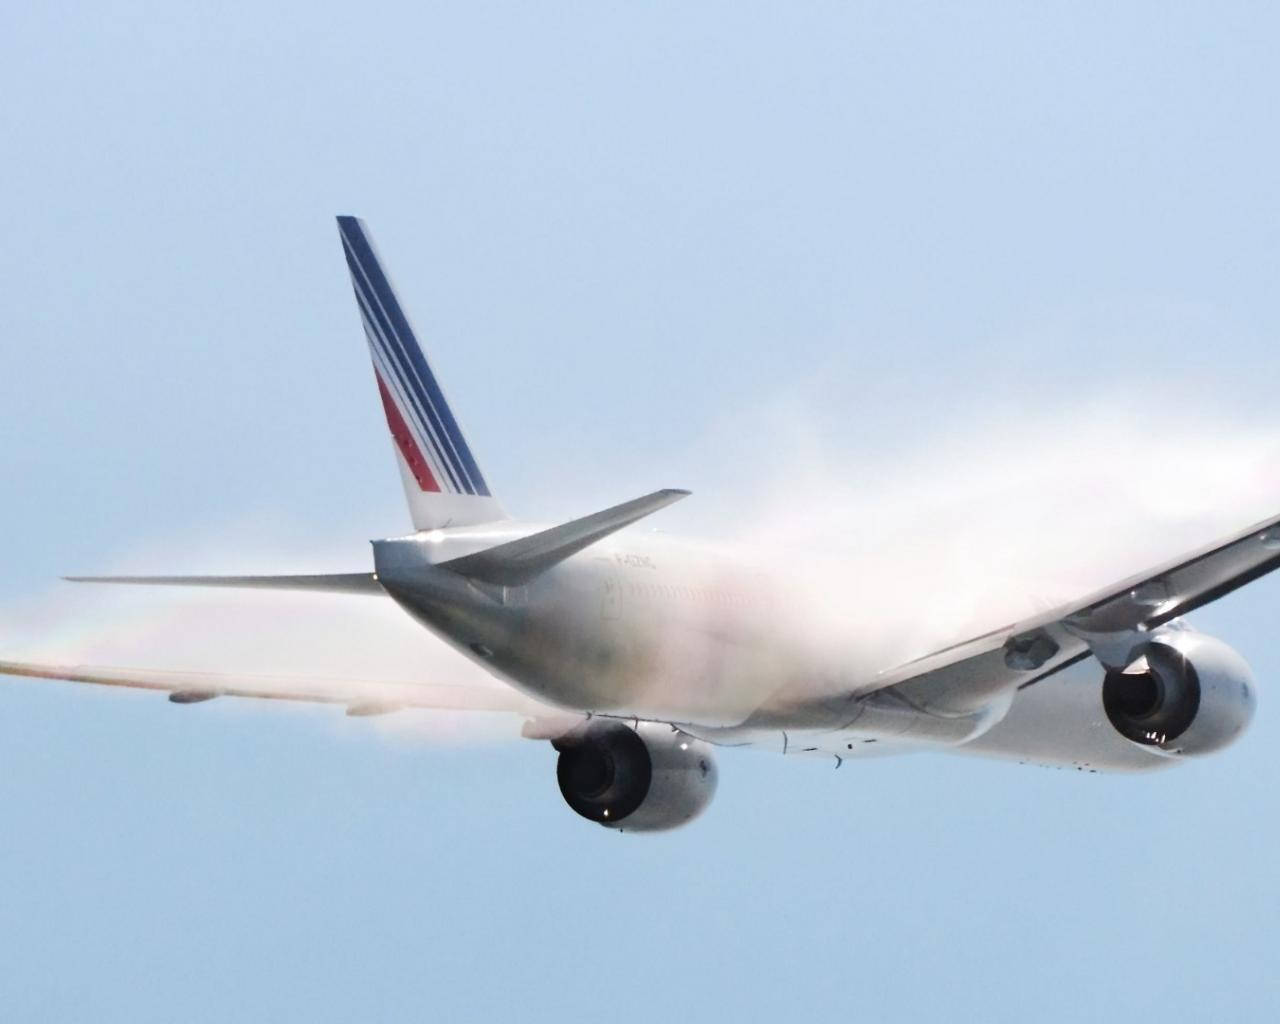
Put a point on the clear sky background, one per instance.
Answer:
(813, 256)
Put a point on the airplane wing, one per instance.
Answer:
(359, 697)
(1108, 624)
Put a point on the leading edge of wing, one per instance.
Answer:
(337, 583)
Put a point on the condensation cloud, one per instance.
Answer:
(903, 547)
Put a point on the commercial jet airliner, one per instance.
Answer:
(636, 655)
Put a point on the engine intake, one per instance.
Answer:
(1185, 693)
(645, 779)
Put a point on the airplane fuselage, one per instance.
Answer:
(652, 628)
(658, 629)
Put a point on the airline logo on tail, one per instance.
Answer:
(421, 423)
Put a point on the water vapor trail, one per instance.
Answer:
(904, 547)
(297, 639)
(947, 537)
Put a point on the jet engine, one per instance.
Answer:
(643, 779)
(1185, 693)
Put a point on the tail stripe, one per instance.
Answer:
(409, 448)
(391, 374)
(391, 353)
(410, 377)
(407, 435)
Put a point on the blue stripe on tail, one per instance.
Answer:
(391, 354)
(391, 332)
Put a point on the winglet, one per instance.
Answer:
(519, 561)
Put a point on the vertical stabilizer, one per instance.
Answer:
(442, 480)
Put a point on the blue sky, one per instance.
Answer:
(733, 248)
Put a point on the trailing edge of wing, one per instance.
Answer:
(519, 561)
(341, 583)
(1108, 624)
(360, 697)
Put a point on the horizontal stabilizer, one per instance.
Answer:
(341, 583)
(519, 561)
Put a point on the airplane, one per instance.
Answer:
(636, 655)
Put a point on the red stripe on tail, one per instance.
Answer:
(404, 440)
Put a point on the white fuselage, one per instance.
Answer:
(648, 627)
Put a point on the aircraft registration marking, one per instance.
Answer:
(634, 561)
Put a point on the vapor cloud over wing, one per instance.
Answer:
(902, 547)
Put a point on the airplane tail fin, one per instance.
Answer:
(442, 480)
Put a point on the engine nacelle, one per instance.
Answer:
(645, 779)
(1186, 693)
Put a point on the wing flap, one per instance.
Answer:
(1181, 586)
(1108, 623)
